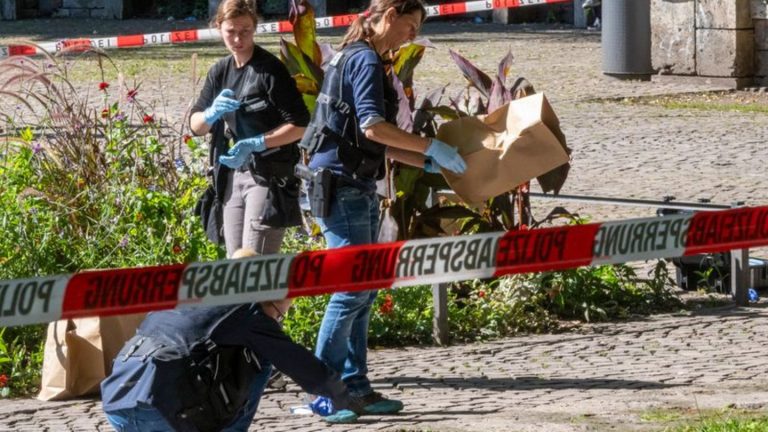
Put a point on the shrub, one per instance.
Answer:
(93, 179)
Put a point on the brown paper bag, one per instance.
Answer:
(506, 148)
(78, 354)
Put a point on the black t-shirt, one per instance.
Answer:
(264, 86)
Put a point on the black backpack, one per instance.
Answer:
(203, 386)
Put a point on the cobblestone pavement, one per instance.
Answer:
(603, 378)
(607, 376)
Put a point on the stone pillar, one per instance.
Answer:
(8, 10)
(321, 7)
(760, 21)
(673, 37)
(114, 9)
(579, 17)
(725, 39)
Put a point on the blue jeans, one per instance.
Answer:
(343, 339)
(146, 418)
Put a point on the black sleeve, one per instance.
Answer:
(284, 94)
(265, 338)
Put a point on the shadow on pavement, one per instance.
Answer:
(526, 383)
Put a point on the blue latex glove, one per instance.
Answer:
(220, 106)
(239, 153)
(323, 407)
(431, 166)
(446, 156)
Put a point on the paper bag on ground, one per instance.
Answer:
(506, 148)
(78, 354)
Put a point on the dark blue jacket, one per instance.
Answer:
(135, 379)
(356, 94)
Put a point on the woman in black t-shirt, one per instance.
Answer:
(252, 108)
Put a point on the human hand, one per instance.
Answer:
(446, 156)
(431, 166)
(239, 153)
(220, 106)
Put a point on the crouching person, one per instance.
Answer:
(204, 369)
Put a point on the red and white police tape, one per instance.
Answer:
(194, 35)
(413, 262)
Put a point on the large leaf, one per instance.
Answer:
(302, 17)
(505, 65)
(475, 76)
(299, 63)
(404, 113)
(405, 180)
(446, 112)
(405, 62)
(499, 96)
(424, 120)
(475, 105)
(306, 86)
(432, 99)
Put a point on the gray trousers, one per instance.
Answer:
(243, 206)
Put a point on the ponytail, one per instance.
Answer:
(362, 27)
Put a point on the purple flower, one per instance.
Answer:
(124, 242)
(37, 148)
(179, 163)
(120, 117)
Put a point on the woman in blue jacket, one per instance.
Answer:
(352, 131)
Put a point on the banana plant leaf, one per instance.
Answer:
(302, 17)
(299, 63)
(404, 111)
(446, 112)
(405, 62)
(505, 65)
(475, 76)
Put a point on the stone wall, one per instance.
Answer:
(83, 9)
(711, 38)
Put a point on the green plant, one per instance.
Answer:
(20, 360)
(92, 179)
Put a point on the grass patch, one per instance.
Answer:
(736, 101)
(723, 420)
(726, 425)
(708, 106)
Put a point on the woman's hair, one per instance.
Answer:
(362, 27)
(230, 9)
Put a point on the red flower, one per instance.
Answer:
(103, 86)
(387, 306)
(3, 380)
(131, 95)
(186, 138)
(148, 119)
(481, 293)
(177, 249)
(105, 113)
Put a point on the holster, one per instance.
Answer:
(320, 187)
